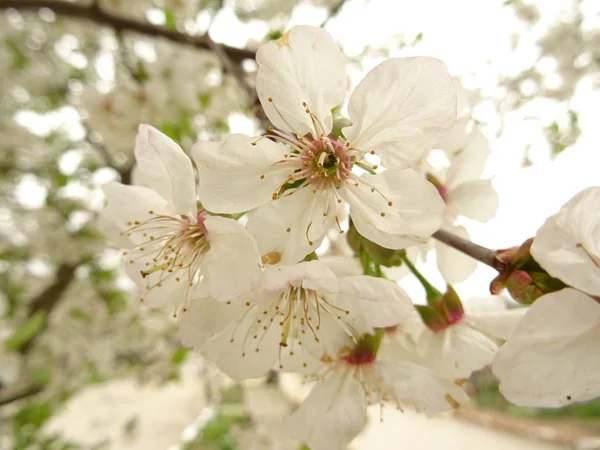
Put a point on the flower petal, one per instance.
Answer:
(158, 288)
(238, 353)
(414, 385)
(305, 67)
(401, 109)
(468, 163)
(301, 213)
(457, 351)
(456, 138)
(232, 264)
(339, 403)
(374, 302)
(126, 205)
(416, 213)
(210, 316)
(310, 274)
(163, 167)
(229, 172)
(567, 244)
(500, 324)
(477, 200)
(455, 266)
(552, 358)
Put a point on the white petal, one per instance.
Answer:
(413, 385)
(477, 200)
(455, 266)
(567, 244)
(416, 213)
(301, 213)
(232, 264)
(331, 416)
(401, 109)
(229, 172)
(159, 288)
(552, 358)
(163, 167)
(310, 274)
(456, 351)
(210, 316)
(456, 138)
(191, 333)
(500, 324)
(343, 265)
(304, 67)
(376, 302)
(468, 164)
(238, 353)
(126, 205)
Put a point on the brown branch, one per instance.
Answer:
(50, 297)
(18, 391)
(475, 251)
(118, 23)
(333, 12)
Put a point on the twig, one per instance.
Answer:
(17, 391)
(333, 12)
(235, 69)
(475, 251)
(118, 23)
(50, 297)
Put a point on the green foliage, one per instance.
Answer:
(170, 19)
(27, 331)
(19, 59)
(26, 424)
(585, 414)
(179, 355)
(274, 35)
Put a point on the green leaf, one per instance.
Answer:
(26, 332)
(33, 414)
(179, 355)
(204, 100)
(40, 375)
(273, 35)
(170, 20)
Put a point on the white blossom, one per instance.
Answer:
(304, 312)
(299, 80)
(334, 411)
(469, 343)
(171, 244)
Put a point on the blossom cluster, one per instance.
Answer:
(230, 241)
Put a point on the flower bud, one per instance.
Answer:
(366, 349)
(522, 276)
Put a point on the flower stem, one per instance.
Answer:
(430, 290)
(475, 251)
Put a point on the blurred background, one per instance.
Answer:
(81, 365)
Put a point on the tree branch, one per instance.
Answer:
(17, 391)
(475, 251)
(118, 23)
(333, 12)
(49, 297)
